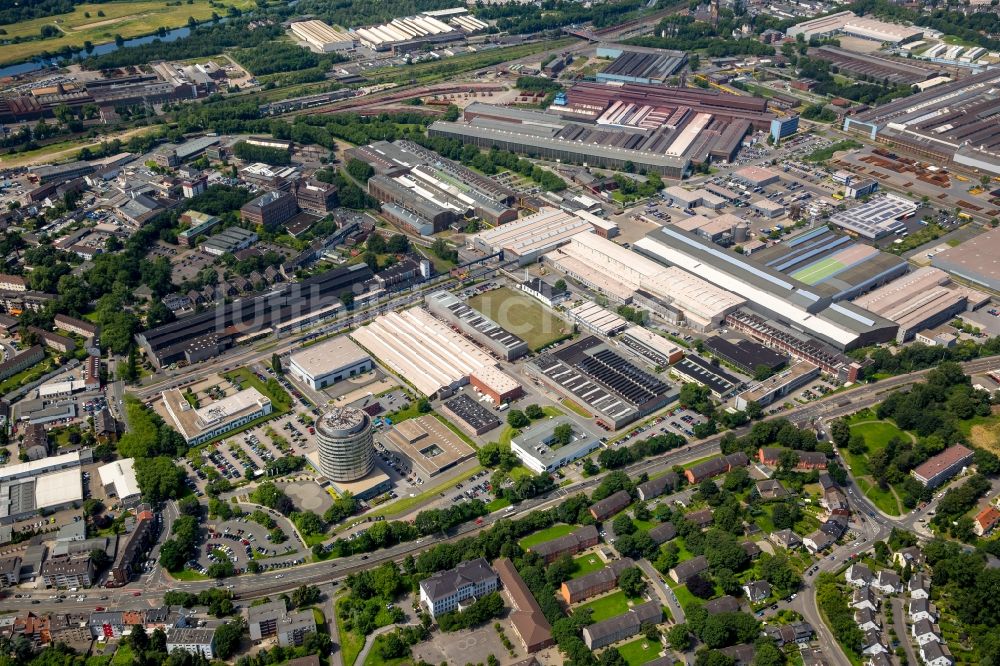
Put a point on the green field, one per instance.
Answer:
(128, 19)
(547, 534)
(640, 651)
(877, 435)
(521, 315)
(586, 564)
(612, 605)
(819, 271)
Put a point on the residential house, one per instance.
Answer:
(858, 575)
(656, 487)
(985, 521)
(273, 619)
(888, 582)
(864, 598)
(751, 549)
(10, 571)
(911, 555)
(924, 632)
(609, 506)
(570, 544)
(807, 460)
(919, 586)
(68, 572)
(921, 609)
(835, 501)
(446, 590)
(662, 533)
(594, 583)
(866, 619)
(873, 643)
(786, 539)
(879, 659)
(936, 654)
(623, 626)
(684, 570)
(701, 518)
(796, 632)
(716, 466)
(742, 655)
(195, 641)
(724, 604)
(818, 541)
(770, 489)
(757, 590)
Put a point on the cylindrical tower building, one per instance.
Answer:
(346, 448)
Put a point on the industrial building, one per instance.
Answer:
(328, 362)
(746, 355)
(656, 349)
(766, 392)
(479, 327)
(270, 210)
(470, 414)
(427, 352)
(917, 301)
(199, 425)
(39, 494)
(832, 263)
(974, 260)
(537, 448)
(768, 291)
(693, 368)
(412, 33)
(852, 25)
(530, 237)
(345, 445)
(876, 218)
(228, 241)
(434, 189)
(725, 230)
(619, 273)
(606, 384)
(943, 466)
(949, 123)
(118, 479)
(497, 384)
(205, 334)
(322, 37)
(592, 318)
(636, 64)
(877, 68)
(429, 445)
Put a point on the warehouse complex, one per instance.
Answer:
(974, 260)
(609, 268)
(322, 37)
(831, 263)
(426, 351)
(949, 123)
(920, 300)
(878, 68)
(531, 236)
(656, 128)
(877, 218)
(635, 64)
(614, 389)
(425, 193)
(765, 290)
(412, 33)
(476, 325)
(852, 25)
(328, 362)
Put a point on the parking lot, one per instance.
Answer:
(239, 540)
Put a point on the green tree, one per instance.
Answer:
(517, 419)
(276, 365)
(632, 582)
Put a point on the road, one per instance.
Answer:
(663, 591)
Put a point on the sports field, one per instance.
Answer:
(128, 19)
(819, 271)
(521, 315)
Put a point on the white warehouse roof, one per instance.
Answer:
(121, 475)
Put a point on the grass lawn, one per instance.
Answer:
(188, 575)
(520, 472)
(28, 375)
(640, 651)
(552, 411)
(497, 504)
(983, 431)
(521, 315)
(575, 408)
(375, 658)
(877, 435)
(883, 499)
(612, 605)
(280, 400)
(549, 533)
(684, 597)
(586, 564)
(129, 19)
(350, 642)
(124, 656)
(440, 265)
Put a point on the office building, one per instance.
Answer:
(199, 425)
(943, 466)
(778, 386)
(540, 450)
(199, 224)
(326, 363)
(527, 619)
(429, 445)
(315, 196)
(346, 448)
(446, 590)
(782, 127)
(270, 210)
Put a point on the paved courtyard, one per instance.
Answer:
(308, 496)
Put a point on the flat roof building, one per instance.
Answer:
(876, 218)
(943, 466)
(497, 384)
(476, 325)
(429, 444)
(594, 319)
(470, 414)
(695, 369)
(328, 362)
(198, 425)
(916, 301)
(530, 237)
(651, 346)
(541, 451)
(765, 392)
(746, 355)
(24, 498)
(118, 479)
(976, 260)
